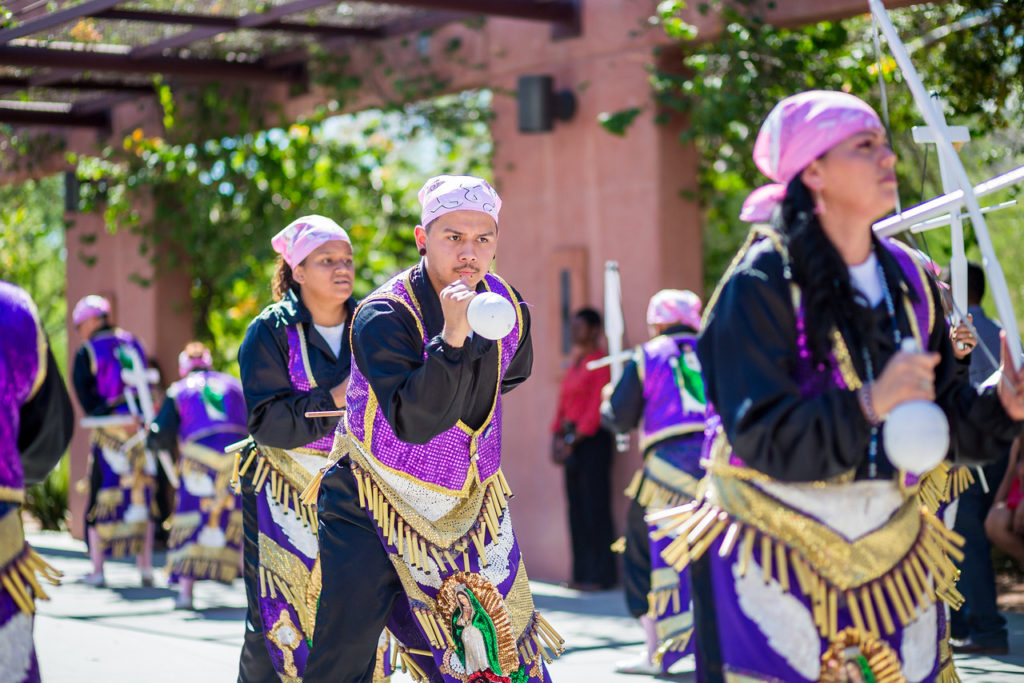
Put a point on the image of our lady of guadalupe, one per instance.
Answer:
(476, 640)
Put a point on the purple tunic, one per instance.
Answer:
(441, 510)
(206, 530)
(22, 370)
(807, 578)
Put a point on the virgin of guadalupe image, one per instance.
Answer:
(476, 641)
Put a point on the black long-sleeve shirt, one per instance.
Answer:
(422, 398)
(277, 410)
(163, 433)
(623, 411)
(748, 354)
(47, 422)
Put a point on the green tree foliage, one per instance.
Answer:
(217, 203)
(969, 52)
(32, 256)
(32, 251)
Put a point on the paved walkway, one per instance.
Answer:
(128, 633)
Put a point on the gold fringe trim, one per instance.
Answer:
(960, 478)
(234, 530)
(943, 484)
(203, 568)
(619, 546)
(539, 641)
(413, 547)
(660, 600)
(20, 578)
(948, 674)
(674, 644)
(925, 574)
(651, 494)
(402, 658)
(280, 488)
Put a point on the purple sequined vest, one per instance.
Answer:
(452, 460)
(211, 408)
(22, 370)
(109, 353)
(665, 415)
(301, 377)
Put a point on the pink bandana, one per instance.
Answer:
(187, 363)
(674, 306)
(305, 234)
(92, 306)
(797, 131)
(446, 193)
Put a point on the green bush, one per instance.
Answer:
(47, 501)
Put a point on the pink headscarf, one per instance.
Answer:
(446, 193)
(305, 234)
(673, 306)
(797, 131)
(188, 363)
(92, 306)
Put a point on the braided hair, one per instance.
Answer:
(821, 274)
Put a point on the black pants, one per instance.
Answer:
(979, 617)
(360, 589)
(254, 665)
(588, 473)
(636, 561)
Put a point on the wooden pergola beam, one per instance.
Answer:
(232, 23)
(69, 84)
(554, 11)
(48, 21)
(29, 117)
(198, 69)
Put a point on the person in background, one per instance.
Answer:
(977, 627)
(1005, 521)
(36, 423)
(662, 392)
(584, 449)
(120, 514)
(203, 413)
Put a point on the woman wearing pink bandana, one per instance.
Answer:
(295, 358)
(812, 557)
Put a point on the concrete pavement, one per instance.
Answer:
(127, 633)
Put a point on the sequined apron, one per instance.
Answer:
(441, 511)
(809, 579)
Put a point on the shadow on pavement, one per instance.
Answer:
(604, 604)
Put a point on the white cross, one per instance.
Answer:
(139, 378)
(964, 195)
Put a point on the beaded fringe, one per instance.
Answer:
(677, 643)
(416, 550)
(19, 579)
(280, 488)
(907, 587)
(200, 568)
(653, 495)
(659, 600)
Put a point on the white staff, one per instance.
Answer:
(614, 331)
(957, 176)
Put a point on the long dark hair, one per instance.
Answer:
(282, 280)
(821, 274)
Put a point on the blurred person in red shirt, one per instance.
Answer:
(584, 449)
